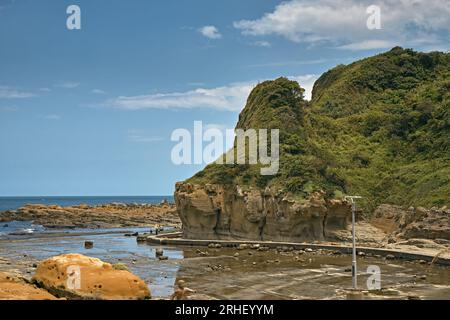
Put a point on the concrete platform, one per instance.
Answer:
(175, 239)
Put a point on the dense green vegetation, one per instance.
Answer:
(379, 128)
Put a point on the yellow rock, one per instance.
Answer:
(80, 277)
(12, 288)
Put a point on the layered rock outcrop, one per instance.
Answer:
(418, 223)
(214, 212)
(75, 276)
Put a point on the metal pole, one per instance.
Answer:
(354, 269)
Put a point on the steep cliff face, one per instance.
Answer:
(213, 212)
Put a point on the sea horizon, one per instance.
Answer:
(15, 202)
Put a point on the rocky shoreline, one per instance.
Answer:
(211, 212)
(114, 215)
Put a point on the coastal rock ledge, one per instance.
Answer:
(214, 212)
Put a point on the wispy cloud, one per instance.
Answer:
(45, 89)
(9, 108)
(98, 91)
(290, 63)
(265, 44)
(231, 97)
(68, 84)
(343, 23)
(210, 32)
(7, 92)
(140, 136)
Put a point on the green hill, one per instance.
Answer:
(379, 128)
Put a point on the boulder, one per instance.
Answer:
(76, 276)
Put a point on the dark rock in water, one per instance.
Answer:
(159, 252)
(163, 257)
(132, 234)
(390, 257)
(5, 226)
(88, 244)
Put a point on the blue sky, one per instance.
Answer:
(91, 111)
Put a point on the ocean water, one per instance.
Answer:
(13, 203)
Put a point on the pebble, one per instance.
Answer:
(390, 257)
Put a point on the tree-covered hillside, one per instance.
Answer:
(379, 128)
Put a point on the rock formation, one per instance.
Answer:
(14, 288)
(76, 276)
(417, 223)
(377, 128)
(103, 216)
(213, 212)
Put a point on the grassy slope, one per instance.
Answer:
(379, 127)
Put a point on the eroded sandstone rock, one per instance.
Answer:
(77, 276)
(213, 212)
(413, 223)
(14, 288)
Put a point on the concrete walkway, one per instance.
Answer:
(175, 239)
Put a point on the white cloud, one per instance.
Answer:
(344, 22)
(290, 63)
(68, 84)
(265, 44)
(227, 98)
(98, 91)
(306, 82)
(13, 93)
(210, 32)
(45, 89)
(139, 136)
(368, 45)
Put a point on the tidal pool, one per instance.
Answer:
(221, 274)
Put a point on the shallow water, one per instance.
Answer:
(251, 275)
